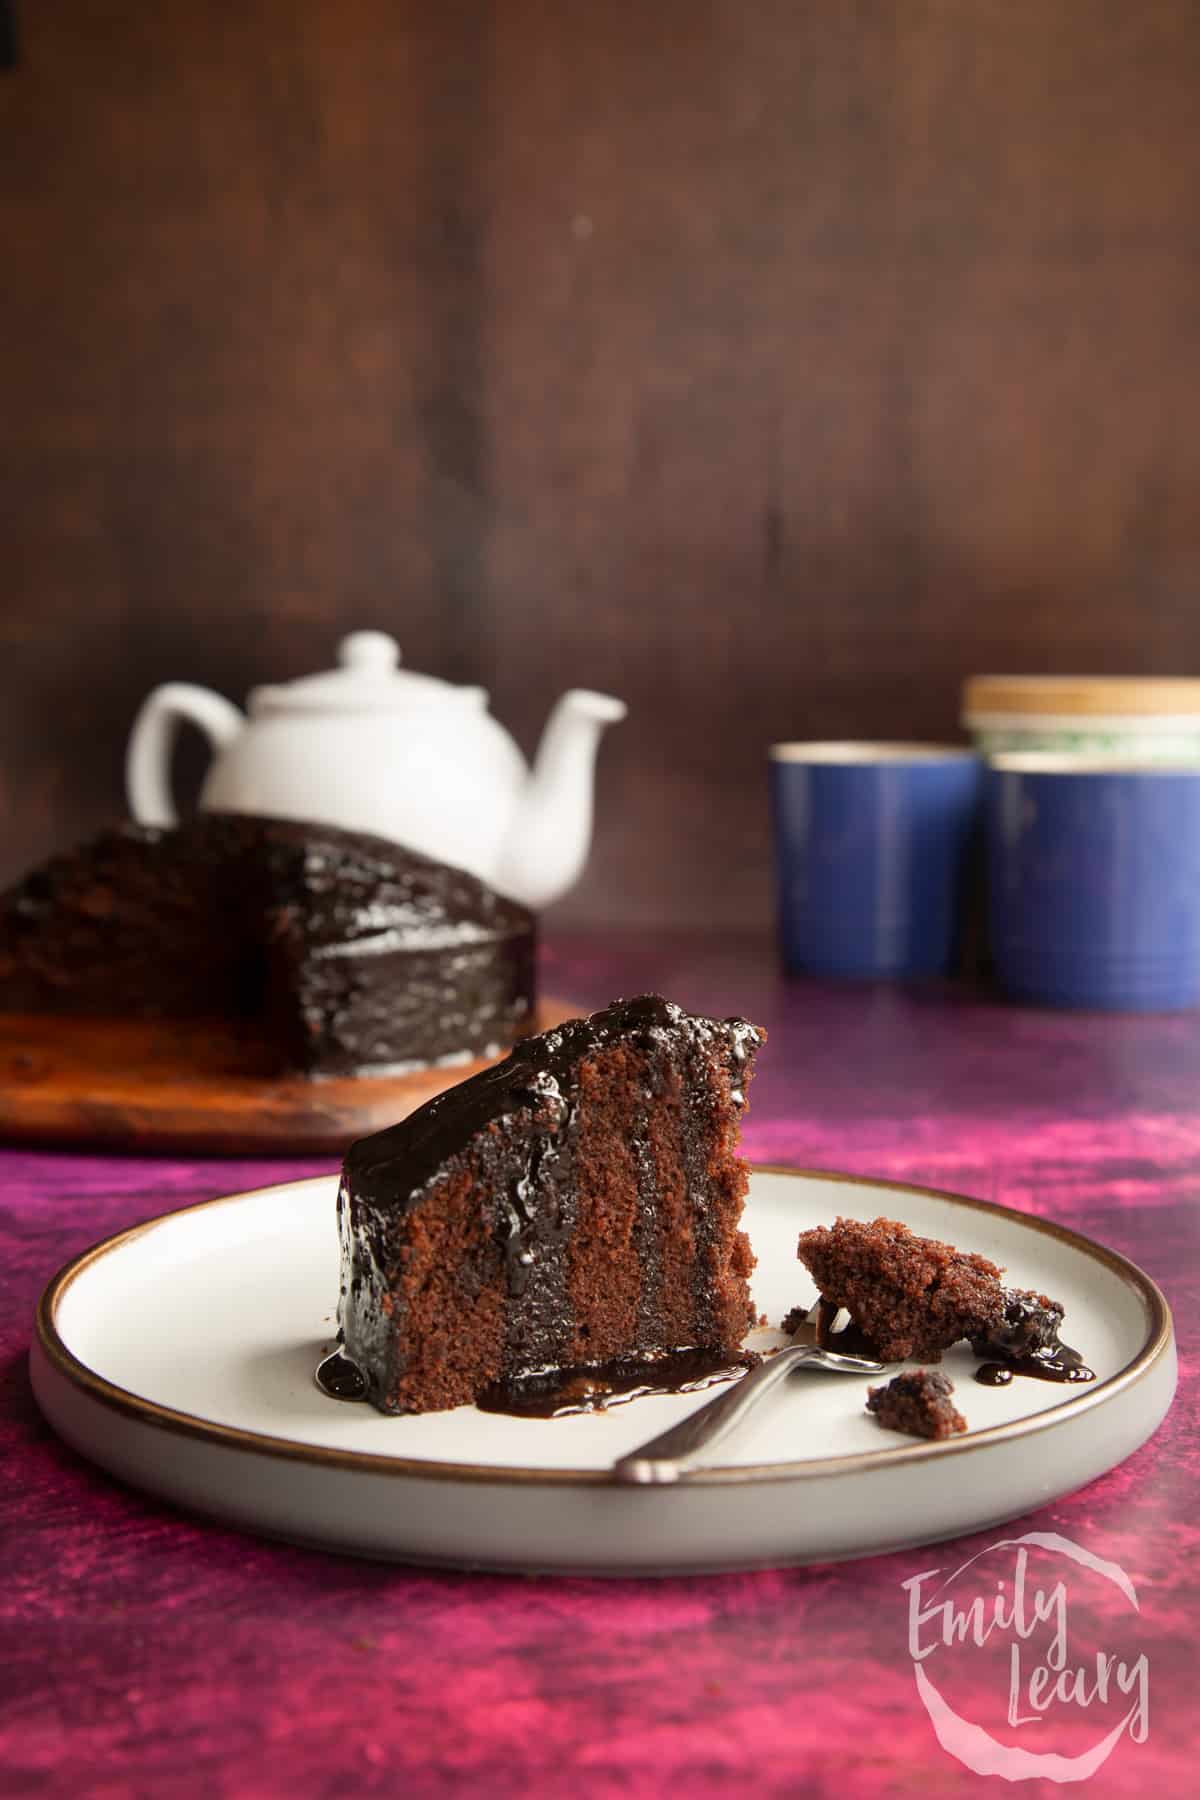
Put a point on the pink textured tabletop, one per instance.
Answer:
(150, 1653)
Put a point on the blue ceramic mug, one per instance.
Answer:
(1094, 881)
(871, 850)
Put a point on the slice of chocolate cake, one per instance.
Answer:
(340, 951)
(575, 1205)
(918, 1402)
(909, 1296)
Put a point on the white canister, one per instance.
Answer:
(1152, 718)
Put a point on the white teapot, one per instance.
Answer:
(373, 747)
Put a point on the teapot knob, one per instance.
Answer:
(370, 652)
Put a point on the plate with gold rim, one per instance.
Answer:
(180, 1355)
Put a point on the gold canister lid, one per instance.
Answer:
(1081, 696)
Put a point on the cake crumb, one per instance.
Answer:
(917, 1402)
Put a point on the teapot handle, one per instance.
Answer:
(148, 758)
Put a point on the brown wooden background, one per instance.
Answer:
(773, 366)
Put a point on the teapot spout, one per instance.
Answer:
(551, 831)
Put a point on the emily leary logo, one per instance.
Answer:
(996, 1635)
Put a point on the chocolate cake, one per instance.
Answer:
(576, 1206)
(918, 1402)
(343, 952)
(909, 1296)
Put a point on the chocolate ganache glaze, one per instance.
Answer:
(536, 1072)
(587, 1195)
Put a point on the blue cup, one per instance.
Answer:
(1094, 882)
(872, 846)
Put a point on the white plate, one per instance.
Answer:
(180, 1356)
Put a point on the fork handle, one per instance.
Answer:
(682, 1449)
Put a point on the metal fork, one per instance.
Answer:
(681, 1451)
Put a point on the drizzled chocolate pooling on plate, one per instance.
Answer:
(1026, 1342)
(554, 1393)
(594, 1387)
(575, 1206)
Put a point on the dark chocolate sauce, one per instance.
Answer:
(1059, 1363)
(593, 1387)
(587, 1387)
(1025, 1341)
(340, 1378)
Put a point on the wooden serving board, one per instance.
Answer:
(132, 1084)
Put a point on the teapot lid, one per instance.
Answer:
(368, 679)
